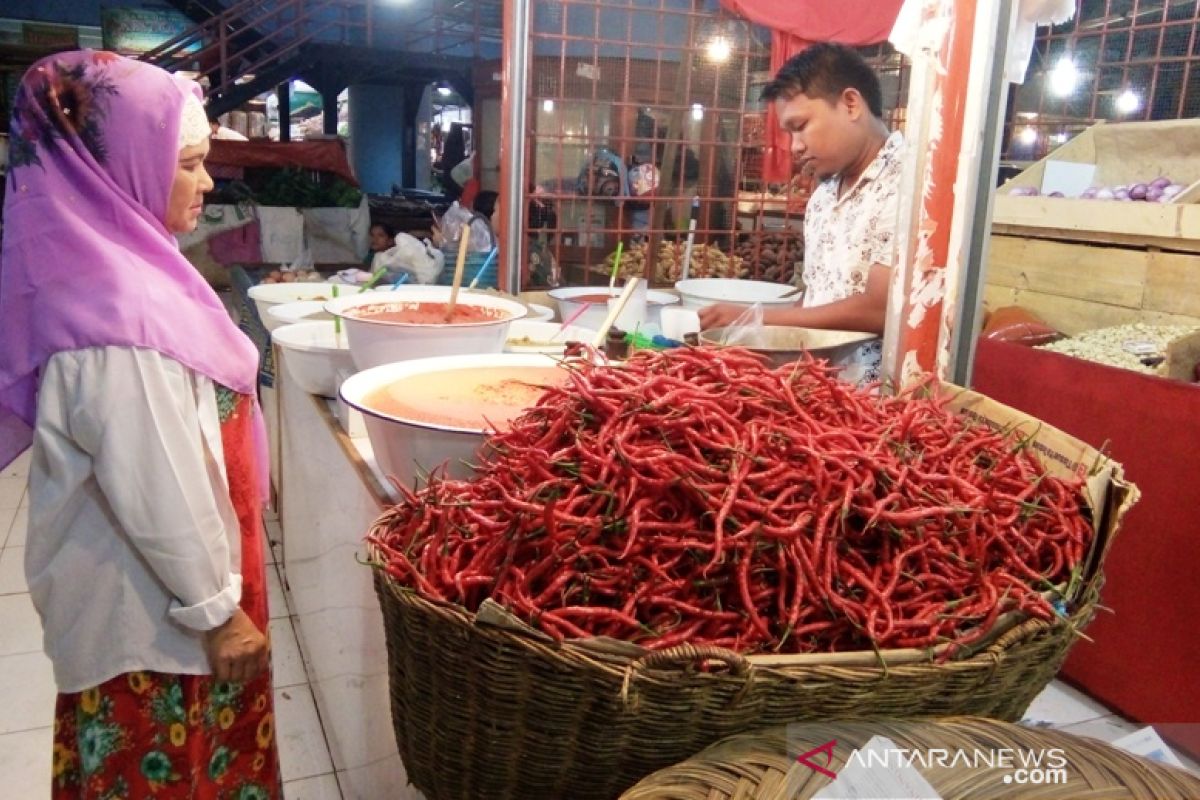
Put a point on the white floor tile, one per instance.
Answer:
(19, 468)
(27, 692)
(7, 516)
(12, 571)
(286, 663)
(1060, 704)
(20, 526)
(1106, 729)
(302, 749)
(12, 492)
(276, 599)
(385, 778)
(25, 763)
(20, 627)
(322, 787)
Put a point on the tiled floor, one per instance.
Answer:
(27, 687)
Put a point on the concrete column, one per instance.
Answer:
(284, 94)
(377, 120)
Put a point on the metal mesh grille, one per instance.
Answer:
(637, 111)
(1118, 60)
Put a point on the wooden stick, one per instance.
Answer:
(458, 271)
(615, 311)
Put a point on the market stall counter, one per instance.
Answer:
(329, 493)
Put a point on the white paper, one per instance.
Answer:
(589, 71)
(859, 782)
(1068, 177)
(1148, 744)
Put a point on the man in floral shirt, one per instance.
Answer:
(830, 100)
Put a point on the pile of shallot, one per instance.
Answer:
(1160, 190)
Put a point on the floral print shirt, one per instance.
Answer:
(845, 236)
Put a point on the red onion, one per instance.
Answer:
(1121, 194)
(1138, 191)
(1154, 194)
(1160, 183)
(1089, 193)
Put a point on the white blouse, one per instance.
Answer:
(133, 549)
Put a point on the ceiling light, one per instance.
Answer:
(444, 90)
(548, 106)
(1128, 102)
(1064, 77)
(697, 112)
(1028, 136)
(719, 49)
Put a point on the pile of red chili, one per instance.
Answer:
(700, 496)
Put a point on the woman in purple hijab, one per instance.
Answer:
(121, 368)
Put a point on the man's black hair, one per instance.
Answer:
(825, 71)
(485, 202)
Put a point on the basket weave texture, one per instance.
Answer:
(763, 765)
(482, 711)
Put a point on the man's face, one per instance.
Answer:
(825, 135)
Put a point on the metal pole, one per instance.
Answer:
(978, 239)
(514, 104)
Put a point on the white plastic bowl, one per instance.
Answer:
(299, 311)
(266, 295)
(376, 342)
(406, 448)
(543, 337)
(594, 317)
(540, 313)
(314, 355)
(698, 293)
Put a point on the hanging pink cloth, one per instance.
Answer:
(797, 24)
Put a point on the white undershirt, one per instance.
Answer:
(133, 548)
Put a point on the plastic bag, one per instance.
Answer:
(420, 259)
(1020, 326)
(456, 219)
(746, 330)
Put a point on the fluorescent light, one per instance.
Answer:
(548, 106)
(720, 49)
(1063, 77)
(1128, 102)
(697, 112)
(445, 91)
(1028, 136)
(1059, 138)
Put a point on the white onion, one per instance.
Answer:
(1173, 189)
(1121, 194)
(1154, 194)
(1089, 193)
(1105, 194)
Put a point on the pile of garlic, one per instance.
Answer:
(1107, 345)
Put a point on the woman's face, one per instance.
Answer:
(379, 239)
(187, 192)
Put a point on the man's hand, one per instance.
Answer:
(719, 315)
(237, 651)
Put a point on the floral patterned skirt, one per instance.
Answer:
(149, 734)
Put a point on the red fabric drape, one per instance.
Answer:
(796, 25)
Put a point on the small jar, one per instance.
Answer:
(615, 346)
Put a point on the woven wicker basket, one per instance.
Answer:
(763, 765)
(482, 711)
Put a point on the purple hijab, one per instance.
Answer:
(87, 261)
